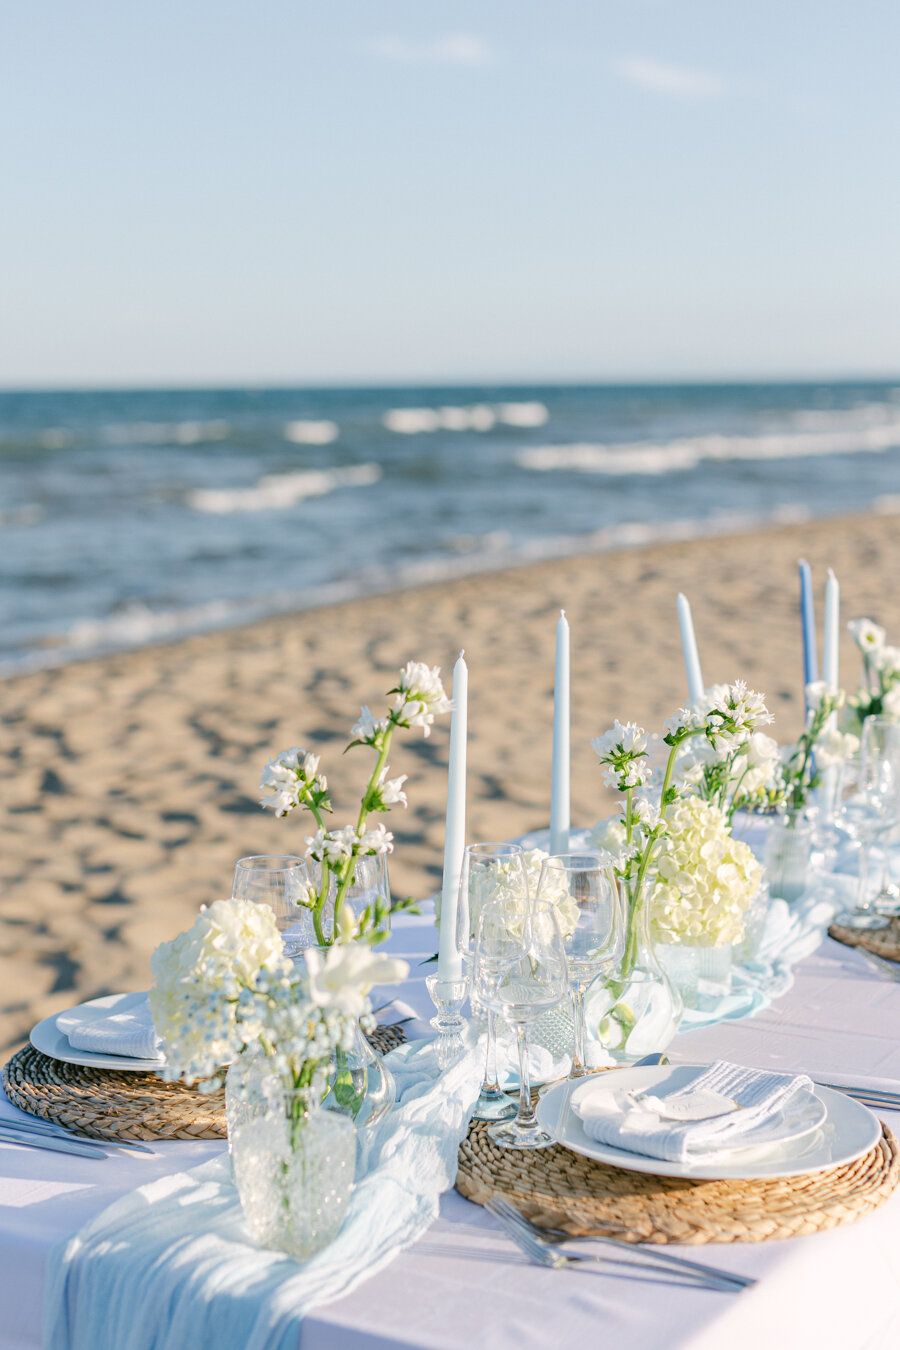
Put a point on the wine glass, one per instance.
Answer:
(520, 973)
(867, 807)
(489, 871)
(882, 738)
(580, 890)
(282, 882)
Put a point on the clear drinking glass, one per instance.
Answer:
(866, 810)
(281, 881)
(489, 871)
(520, 972)
(884, 737)
(580, 889)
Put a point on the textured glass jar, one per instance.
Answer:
(294, 1165)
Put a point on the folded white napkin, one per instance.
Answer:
(125, 1030)
(717, 1110)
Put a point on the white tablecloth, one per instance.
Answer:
(464, 1285)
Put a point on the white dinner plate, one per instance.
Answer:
(50, 1039)
(845, 1131)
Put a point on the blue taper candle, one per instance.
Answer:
(808, 623)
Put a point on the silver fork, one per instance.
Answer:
(657, 1258)
(533, 1245)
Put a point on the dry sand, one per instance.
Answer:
(129, 783)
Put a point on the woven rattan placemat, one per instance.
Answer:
(114, 1105)
(556, 1188)
(881, 941)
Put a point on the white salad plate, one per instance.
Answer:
(816, 1131)
(49, 1036)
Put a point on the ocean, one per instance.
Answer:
(134, 516)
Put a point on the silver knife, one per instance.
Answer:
(37, 1140)
(38, 1126)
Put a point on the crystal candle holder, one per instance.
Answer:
(448, 997)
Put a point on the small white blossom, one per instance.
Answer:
(290, 779)
(388, 792)
(376, 840)
(368, 727)
(834, 747)
(419, 696)
(332, 845)
(868, 636)
(891, 704)
(887, 661)
(344, 975)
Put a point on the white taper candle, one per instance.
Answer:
(560, 773)
(689, 650)
(449, 958)
(831, 631)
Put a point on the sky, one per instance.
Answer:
(365, 191)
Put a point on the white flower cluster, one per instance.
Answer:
(292, 779)
(419, 697)
(333, 846)
(868, 636)
(835, 747)
(198, 978)
(621, 750)
(705, 879)
(224, 987)
(728, 716)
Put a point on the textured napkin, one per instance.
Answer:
(717, 1110)
(127, 1030)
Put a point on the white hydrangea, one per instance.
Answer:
(868, 636)
(419, 696)
(705, 879)
(198, 977)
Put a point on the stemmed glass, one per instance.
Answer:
(281, 881)
(882, 738)
(580, 889)
(520, 973)
(489, 872)
(867, 808)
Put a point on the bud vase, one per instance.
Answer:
(293, 1167)
(789, 849)
(637, 1011)
(361, 1084)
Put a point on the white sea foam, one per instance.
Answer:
(464, 417)
(166, 433)
(687, 452)
(311, 433)
(277, 491)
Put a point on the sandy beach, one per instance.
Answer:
(129, 784)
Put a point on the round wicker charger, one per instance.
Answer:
(881, 941)
(108, 1104)
(556, 1188)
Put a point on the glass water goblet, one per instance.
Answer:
(281, 881)
(866, 809)
(489, 872)
(520, 973)
(881, 737)
(580, 890)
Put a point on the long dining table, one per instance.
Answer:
(464, 1284)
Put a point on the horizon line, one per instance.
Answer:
(480, 382)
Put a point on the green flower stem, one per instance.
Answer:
(348, 868)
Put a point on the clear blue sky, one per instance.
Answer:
(391, 190)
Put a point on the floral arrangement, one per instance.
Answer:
(820, 746)
(292, 781)
(741, 776)
(879, 692)
(224, 988)
(728, 718)
(705, 880)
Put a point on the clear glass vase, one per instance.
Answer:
(789, 849)
(361, 1085)
(293, 1165)
(699, 973)
(369, 889)
(637, 1011)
